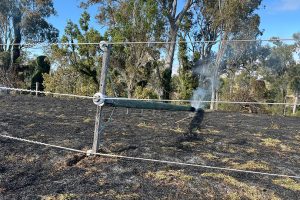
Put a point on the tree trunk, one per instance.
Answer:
(1, 46)
(213, 95)
(217, 99)
(16, 52)
(167, 74)
(295, 103)
(174, 19)
(221, 51)
(130, 88)
(284, 101)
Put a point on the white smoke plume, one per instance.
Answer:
(206, 70)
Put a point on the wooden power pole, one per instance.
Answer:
(98, 132)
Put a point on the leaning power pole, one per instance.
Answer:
(98, 132)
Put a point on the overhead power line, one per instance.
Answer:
(43, 92)
(149, 42)
(155, 100)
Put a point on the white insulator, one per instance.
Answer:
(103, 45)
(99, 99)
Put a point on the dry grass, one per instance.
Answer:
(208, 156)
(259, 134)
(232, 149)
(145, 125)
(102, 181)
(60, 197)
(270, 142)
(169, 177)
(285, 148)
(87, 120)
(287, 183)
(209, 140)
(30, 125)
(112, 194)
(189, 144)
(227, 160)
(251, 165)
(251, 150)
(127, 196)
(210, 131)
(242, 190)
(62, 116)
(274, 126)
(177, 130)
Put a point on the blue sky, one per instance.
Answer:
(70, 9)
(278, 17)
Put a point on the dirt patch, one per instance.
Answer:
(226, 139)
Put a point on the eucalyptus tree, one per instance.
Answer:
(166, 19)
(136, 64)
(83, 58)
(295, 71)
(280, 65)
(185, 81)
(174, 18)
(222, 21)
(132, 21)
(24, 21)
(208, 20)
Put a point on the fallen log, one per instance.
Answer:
(150, 105)
(101, 100)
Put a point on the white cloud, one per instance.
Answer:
(288, 5)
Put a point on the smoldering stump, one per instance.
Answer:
(194, 125)
(196, 122)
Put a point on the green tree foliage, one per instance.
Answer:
(78, 66)
(259, 72)
(294, 77)
(85, 59)
(68, 80)
(278, 66)
(164, 15)
(42, 66)
(226, 20)
(186, 81)
(173, 18)
(22, 21)
(250, 71)
(135, 65)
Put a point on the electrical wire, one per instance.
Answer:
(150, 42)
(152, 100)
(151, 160)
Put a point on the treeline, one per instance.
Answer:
(23, 23)
(238, 71)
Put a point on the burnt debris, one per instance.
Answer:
(194, 125)
(196, 122)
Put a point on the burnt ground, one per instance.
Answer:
(242, 141)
